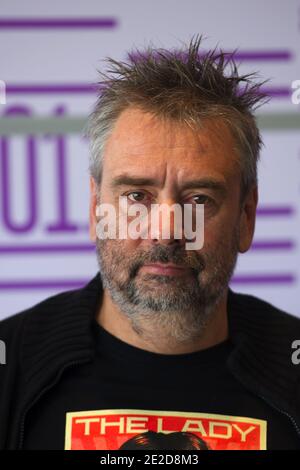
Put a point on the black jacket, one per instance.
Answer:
(55, 334)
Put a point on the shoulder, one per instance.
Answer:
(55, 309)
(13, 324)
(263, 314)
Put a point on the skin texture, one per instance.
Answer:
(186, 311)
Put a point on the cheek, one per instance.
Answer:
(131, 246)
(124, 249)
(219, 234)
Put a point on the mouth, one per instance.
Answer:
(166, 269)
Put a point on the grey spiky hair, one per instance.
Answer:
(187, 86)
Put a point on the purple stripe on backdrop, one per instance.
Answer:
(253, 279)
(39, 88)
(270, 245)
(83, 88)
(46, 284)
(45, 248)
(275, 211)
(263, 55)
(57, 23)
(89, 248)
(264, 279)
(277, 92)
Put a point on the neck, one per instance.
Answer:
(153, 338)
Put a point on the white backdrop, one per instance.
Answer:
(50, 53)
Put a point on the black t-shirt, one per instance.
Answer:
(127, 391)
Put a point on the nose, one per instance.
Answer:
(166, 224)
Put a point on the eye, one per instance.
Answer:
(136, 196)
(202, 199)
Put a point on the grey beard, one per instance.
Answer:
(182, 313)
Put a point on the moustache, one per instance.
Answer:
(164, 254)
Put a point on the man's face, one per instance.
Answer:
(180, 165)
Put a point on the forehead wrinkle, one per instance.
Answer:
(128, 153)
(164, 143)
(176, 137)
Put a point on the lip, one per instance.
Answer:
(167, 269)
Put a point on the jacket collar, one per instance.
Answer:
(58, 335)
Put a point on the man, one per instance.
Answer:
(157, 341)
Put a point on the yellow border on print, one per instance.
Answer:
(70, 415)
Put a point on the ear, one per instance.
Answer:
(92, 211)
(247, 220)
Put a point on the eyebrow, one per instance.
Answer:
(128, 180)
